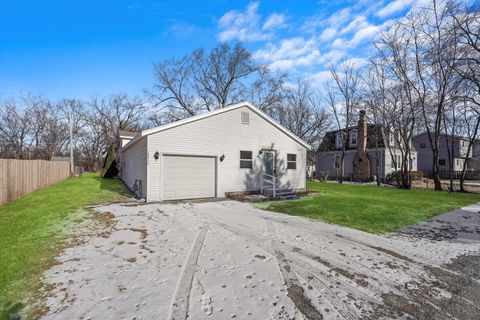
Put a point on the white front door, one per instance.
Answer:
(188, 177)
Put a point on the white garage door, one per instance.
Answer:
(188, 177)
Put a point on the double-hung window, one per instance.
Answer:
(291, 161)
(353, 138)
(246, 160)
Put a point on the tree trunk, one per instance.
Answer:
(435, 172)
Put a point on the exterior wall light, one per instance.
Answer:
(260, 152)
(156, 155)
(222, 157)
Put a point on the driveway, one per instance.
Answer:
(226, 260)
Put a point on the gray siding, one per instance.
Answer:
(325, 162)
(134, 165)
(425, 155)
(224, 134)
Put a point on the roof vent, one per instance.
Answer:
(245, 117)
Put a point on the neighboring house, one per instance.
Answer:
(460, 148)
(364, 145)
(226, 150)
(126, 136)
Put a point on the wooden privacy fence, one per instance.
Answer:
(21, 177)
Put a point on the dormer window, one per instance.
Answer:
(353, 138)
(338, 140)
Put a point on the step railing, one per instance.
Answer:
(267, 178)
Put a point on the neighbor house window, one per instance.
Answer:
(353, 138)
(245, 117)
(246, 160)
(339, 141)
(291, 161)
(458, 162)
(423, 145)
(391, 138)
(398, 160)
(441, 162)
(336, 161)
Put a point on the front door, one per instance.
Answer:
(270, 162)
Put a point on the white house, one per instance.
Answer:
(237, 148)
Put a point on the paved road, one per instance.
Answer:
(226, 259)
(462, 225)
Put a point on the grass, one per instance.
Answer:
(371, 208)
(33, 230)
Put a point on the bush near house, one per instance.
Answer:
(416, 175)
(35, 228)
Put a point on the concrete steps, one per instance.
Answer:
(280, 194)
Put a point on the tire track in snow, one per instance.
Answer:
(294, 288)
(180, 304)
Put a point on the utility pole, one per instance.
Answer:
(70, 125)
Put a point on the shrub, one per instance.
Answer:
(416, 175)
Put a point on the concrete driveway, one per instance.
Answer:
(226, 260)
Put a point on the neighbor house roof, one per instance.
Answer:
(127, 134)
(445, 135)
(374, 139)
(56, 158)
(247, 104)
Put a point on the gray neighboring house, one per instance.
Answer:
(234, 149)
(365, 144)
(460, 148)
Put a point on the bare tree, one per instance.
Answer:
(420, 50)
(344, 95)
(117, 112)
(219, 74)
(302, 114)
(202, 81)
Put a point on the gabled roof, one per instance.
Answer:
(247, 104)
(374, 139)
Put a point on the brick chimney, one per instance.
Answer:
(361, 161)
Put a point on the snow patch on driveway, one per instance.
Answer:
(226, 259)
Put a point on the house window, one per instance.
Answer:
(398, 160)
(339, 141)
(246, 160)
(441, 162)
(423, 145)
(336, 161)
(391, 138)
(353, 138)
(458, 162)
(245, 117)
(291, 161)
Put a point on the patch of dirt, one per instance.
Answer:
(302, 302)
(423, 300)
(143, 232)
(392, 253)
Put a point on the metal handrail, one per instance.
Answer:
(272, 181)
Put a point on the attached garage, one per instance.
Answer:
(205, 156)
(188, 177)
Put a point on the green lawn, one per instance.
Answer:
(371, 208)
(34, 228)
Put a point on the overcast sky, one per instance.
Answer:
(78, 48)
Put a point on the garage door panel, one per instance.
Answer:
(188, 177)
